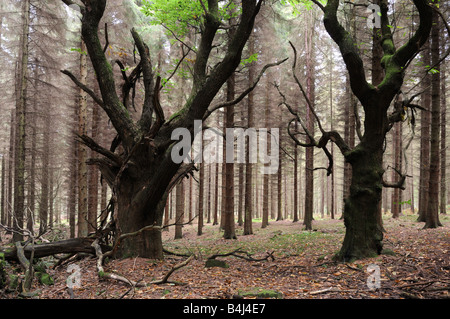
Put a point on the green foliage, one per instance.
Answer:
(175, 14)
(297, 5)
(45, 279)
(78, 50)
(257, 292)
(252, 58)
(433, 71)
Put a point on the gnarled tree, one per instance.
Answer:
(141, 175)
(363, 237)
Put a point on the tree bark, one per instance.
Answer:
(229, 222)
(425, 122)
(82, 151)
(396, 199)
(3, 193)
(200, 199)
(309, 156)
(432, 213)
(93, 186)
(19, 160)
(248, 204)
(443, 190)
(179, 215)
(68, 246)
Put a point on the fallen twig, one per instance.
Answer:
(237, 252)
(176, 267)
(330, 289)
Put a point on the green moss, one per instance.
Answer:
(216, 263)
(388, 252)
(41, 267)
(13, 281)
(44, 278)
(260, 293)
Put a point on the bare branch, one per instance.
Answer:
(178, 39)
(89, 142)
(308, 101)
(245, 93)
(399, 184)
(106, 38)
(176, 68)
(349, 51)
(409, 50)
(149, 99)
(297, 118)
(91, 93)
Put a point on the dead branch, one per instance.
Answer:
(73, 245)
(243, 94)
(91, 93)
(27, 266)
(174, 268)
(238, 253)
(89, 142)
(399, 184)
(101, 272)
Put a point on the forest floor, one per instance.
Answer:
(416, 265)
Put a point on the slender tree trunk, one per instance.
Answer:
(19, 162)
(280, 176)
(229, 226)
(295, 208)
(332, 177)
(241, 194)
(72, 189)
(179, 215)
(3, 193)
(425, 138)
(309, 162)
(265, 194)
(432, 214)
(43, 207)
(200, 199)
(93, 186)
(11, 156)
(443, 194)
(248, 205)
(82, 152)
(32, 188)
(216, 195)
(397, 152)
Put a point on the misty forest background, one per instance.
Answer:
(59, 189)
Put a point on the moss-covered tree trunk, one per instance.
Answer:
(144, 172)
(363, 236)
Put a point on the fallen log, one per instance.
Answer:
(68, 246)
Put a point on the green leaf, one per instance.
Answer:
(250, 59)
(433, 71)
